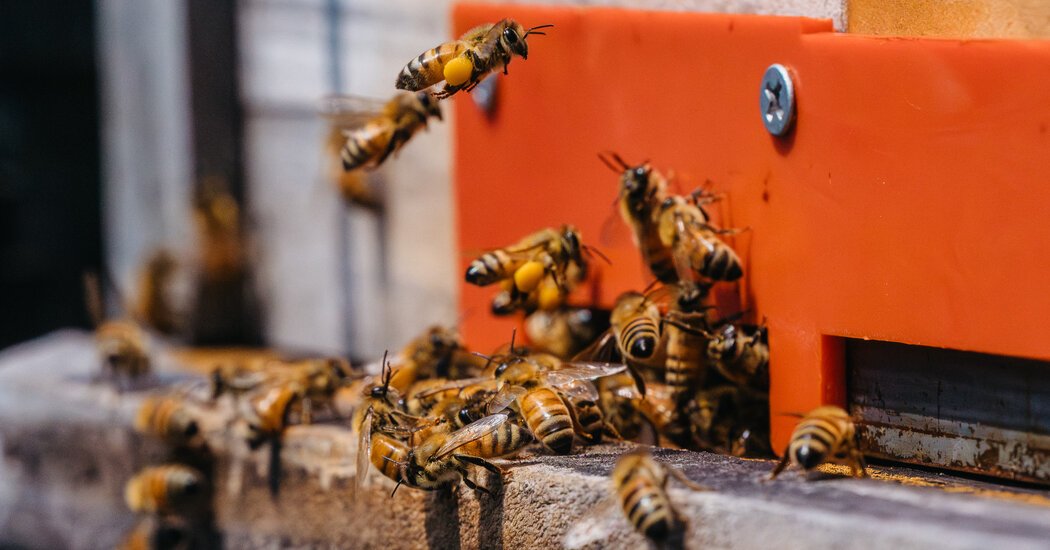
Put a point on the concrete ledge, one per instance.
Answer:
(68, 448)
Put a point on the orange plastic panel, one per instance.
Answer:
(909, 204)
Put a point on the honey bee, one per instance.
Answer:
(444, 459)
(566, 331)
(825, 435)
(684, 229)
(167, 418)
(169, 489)
(353, 186)
(741, 357)
(642, 191)
(373, 134)
(635, 333)
(622, 405)
(640, 482)
(464, 63)
(532, 383)
(685, 326)
(124, 349)
(438, 352)
(557, 253)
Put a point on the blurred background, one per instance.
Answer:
(119, 115)
(116, 117)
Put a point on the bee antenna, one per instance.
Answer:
(396, 487)
(595, 252)
(608, 163)
(650, 286)
(388, 373)
(513, 333)
(533, 30)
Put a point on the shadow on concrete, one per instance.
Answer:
(442, 520)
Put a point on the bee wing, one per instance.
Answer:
(469, 433)
(506, 395)
(581, 370)
(347, 112)
(455, 384)
(603, 348)
(578, 389)
(364, 457)
(687, 244)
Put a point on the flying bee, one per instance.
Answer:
(695, 245)
(825, 435)
(741, 356)
(371, 134)
(548, 253)
(354, 186)
(167, 418)
(169, 489)
(464, 63)
(532, 383)
(567, 330)
(640, 482)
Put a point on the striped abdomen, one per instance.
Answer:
(548, 419)
(684, 366)
(387, 455)
(429, 68)
(507, 439)
(823, 435)
(637, 335)
(659, 258)
(720, 262)
(589, 417)
(640, 482)
(166, 418)
(364, 144)
(491, 267)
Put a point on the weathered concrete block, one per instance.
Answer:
(68, 449)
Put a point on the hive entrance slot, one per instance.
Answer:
(988, 414)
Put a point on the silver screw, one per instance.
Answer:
(777, 100)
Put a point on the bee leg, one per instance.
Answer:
(684, 480)
(478, 461)
(783, 464)
(858, 467)
(474, 486)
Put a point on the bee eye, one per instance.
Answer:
(464, 416)
(640, 172)
(502, 368)
(378, 391)
(511, 36)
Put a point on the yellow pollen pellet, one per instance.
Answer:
(549, 297)
(458, 70)
(528, 276)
